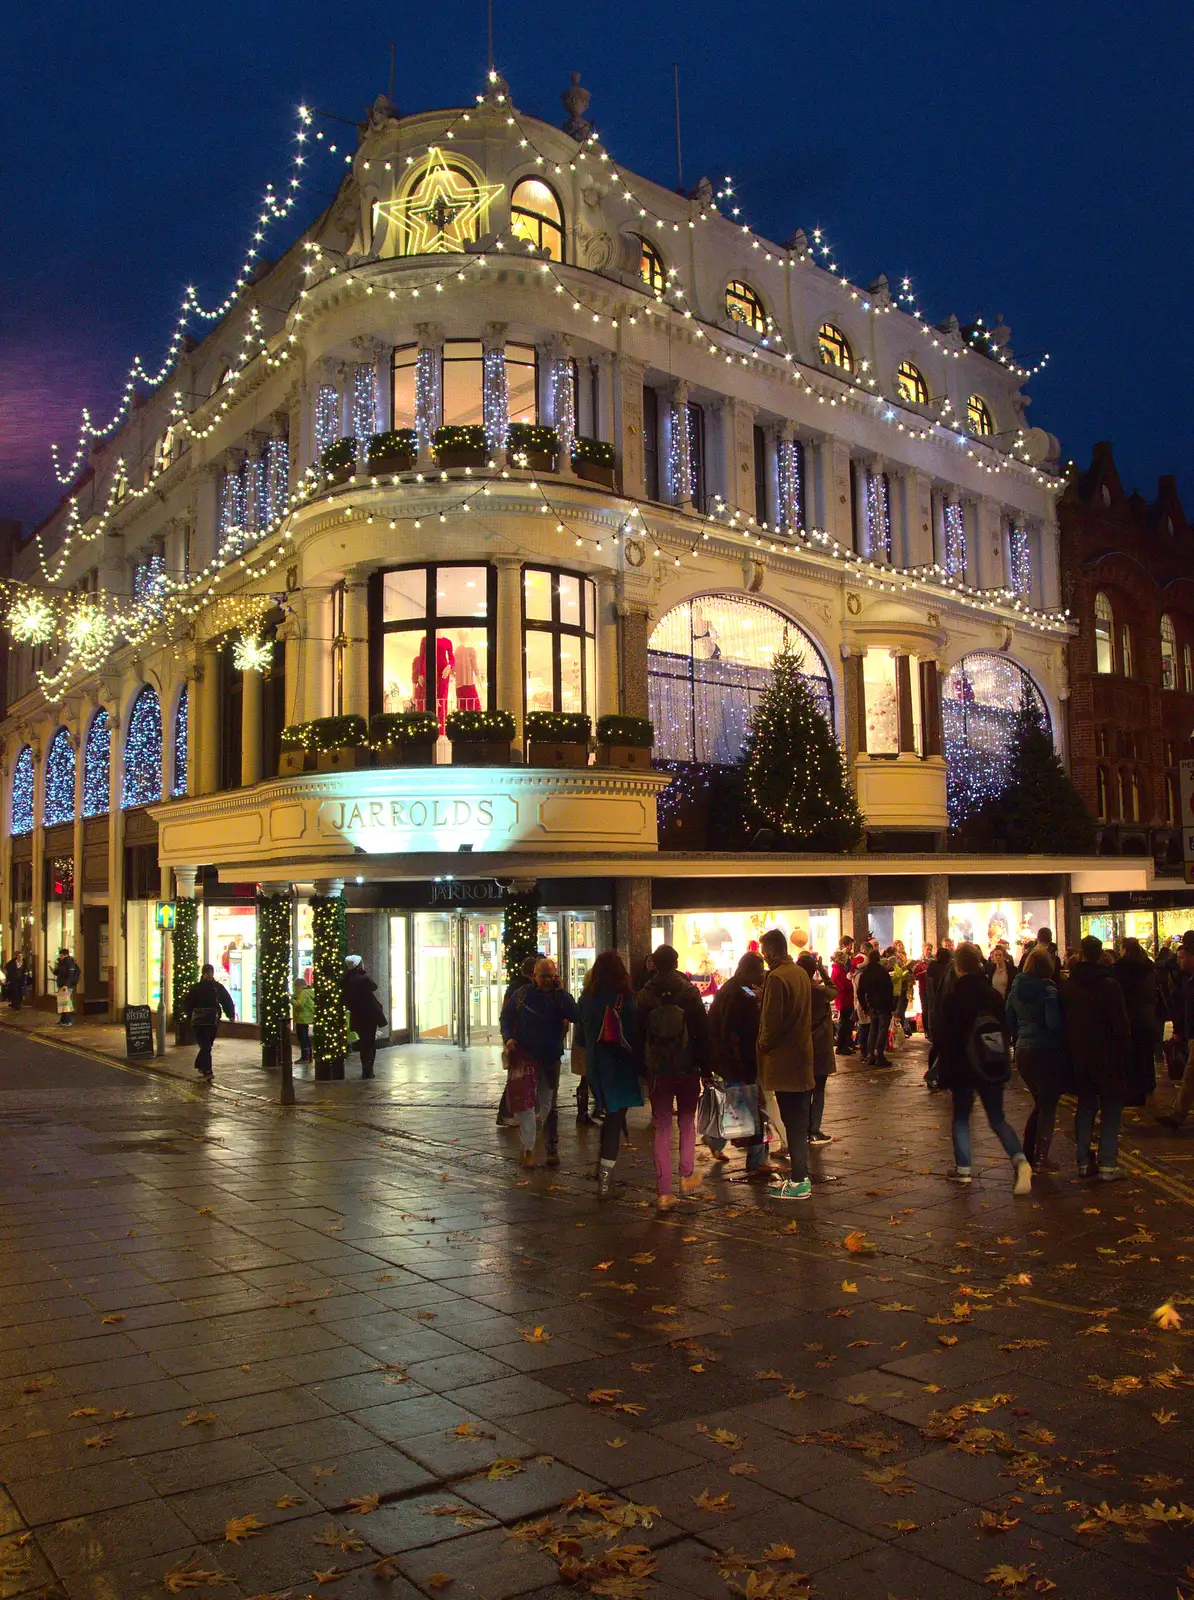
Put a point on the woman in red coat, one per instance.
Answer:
(843, 1000)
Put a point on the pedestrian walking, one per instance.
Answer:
(876, 996)
(66, 979)
(785, 1052)
(676, 1056)
(609, 1025)
(526, 973)
(16, 980)
(1182, 1014)
(843, 1001)
(734, 1037)
(970, 1044)
(1002, 972)
(1137, 977)
(365, 1013)
(202, 1006)
(1037, 1029)
(536, 1017)
(302, 1009)
(1099, 1037)
(824, 1060)
(1044, 941)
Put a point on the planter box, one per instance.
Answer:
(480, 753)
(595, 472)
(411, 753)
(624, 755)
(541, 753)
(338, 475)
(344, 758)
(535, 460)
(387, 466)
(292, 762)
(460, 455)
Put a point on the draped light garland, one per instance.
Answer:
(142, 777)
(97, 766)
(22, 792)
(58, 801)
(182, 732)
(495, 399)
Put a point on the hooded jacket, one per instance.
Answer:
(538, 1019)
(1034, 1018)
(734, 1031)
(1097, 1030)
(839, 971)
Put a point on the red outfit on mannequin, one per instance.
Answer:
(445, 660)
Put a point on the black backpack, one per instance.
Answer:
(986, 1050)
(668, 1049)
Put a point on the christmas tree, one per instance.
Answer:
(795, 778)
(1038, 812)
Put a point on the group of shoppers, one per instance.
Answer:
(770, 1027)
(873, 989)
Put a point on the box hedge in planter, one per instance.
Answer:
(298, 750)
(339, 462)
(395, 451)
(624, 741)
(404, 738)
(532, 447)
(480, 738)
(340, 743)
(557, 739)
(460, 446)
(594, 460)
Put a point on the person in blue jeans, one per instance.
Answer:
(970, 999)
(1099, 1036)
(734, 1037)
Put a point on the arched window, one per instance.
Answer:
(1101, 794)
(1168, 653)
(981, 701)
(536, 216)
(978, 416)
(143, 752)
(1104, 649)
(59, 803)
(97, 766)
(181, 731)
(442, 211)
(744, 305)
(835, 347)
(910, 384)
(1125, 647)
(1127, 796)
(708, 663)
(22, 792)
(650, 266)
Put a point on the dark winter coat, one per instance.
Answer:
(16, 978)
(360, 1000)
(1097, 1030)
(1036, 1024)
(824, 1061)
(875, 990)
(612, 1074)
(933, 984)
(209, 999)
(734, 1032)
(970, 998)
(675, 989)
(538, 1019)
(1052, 949)
(1137, 977)
(66, 972)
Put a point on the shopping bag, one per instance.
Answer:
(709, 1112)
(740, 1114)
(522, 1078)
(66, 1001)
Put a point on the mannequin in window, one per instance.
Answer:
(467, 696)
(705, 644)
(445, 661)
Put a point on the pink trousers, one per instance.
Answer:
(682, 1092)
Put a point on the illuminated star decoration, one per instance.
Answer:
(439, 216)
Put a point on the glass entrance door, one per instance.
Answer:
(459, 977)
(484, 979)
(435, 970)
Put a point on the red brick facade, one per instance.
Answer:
(1131, 722)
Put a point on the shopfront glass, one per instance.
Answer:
(882, 702)
(399, 973)
(433, 969)
(905, 923)
(1156, 930)
(230, 944)
(143, 955)
(711, 943)
(987, 922)
(485, 974)
(60, 931)
(304, 941)
(436, 640)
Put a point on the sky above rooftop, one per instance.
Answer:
(1028, 160)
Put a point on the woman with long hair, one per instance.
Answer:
(607, 1018)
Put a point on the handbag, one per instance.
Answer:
(612, 1035)
(522, 1077)
(740, 1114)
(710, 1111)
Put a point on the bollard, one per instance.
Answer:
(286, 1063)
(160, 1046)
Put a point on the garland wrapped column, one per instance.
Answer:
(273, 972)
(520, 933)
(185, 939)
(331, 1028)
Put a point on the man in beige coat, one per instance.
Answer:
(786, 1055)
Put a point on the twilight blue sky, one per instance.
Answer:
(1034, 160)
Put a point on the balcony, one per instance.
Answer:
(902, 792)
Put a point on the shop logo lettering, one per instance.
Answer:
(411, 814)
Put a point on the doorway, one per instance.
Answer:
(459, 978)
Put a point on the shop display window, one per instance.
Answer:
(230, 944)
(143, 955)
(303, 945)
(436, 639)
(986, 922)
(461, 388)
(882, 703)
(399, 926)
(433, 965)
(559, 641)
(60, 930)
(905, 923)
(710, 944)
(403, 410)
(1172, 923)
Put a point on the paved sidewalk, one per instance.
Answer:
(358, 1325)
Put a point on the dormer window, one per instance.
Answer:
(978, 417)
(1104, 648)
(650, 267)
(911, 385)
(537, 217)
(744, 305)
(834, 347)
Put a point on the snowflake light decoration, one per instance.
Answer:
(251, 653)
(30, 620)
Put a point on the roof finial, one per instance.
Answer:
(576, 103)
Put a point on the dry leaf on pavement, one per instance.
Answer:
(238, 1529)
(713, 1502)
(537, 1335)
(189, 1576)
(363, 1504)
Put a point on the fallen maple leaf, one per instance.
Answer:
(537, 1335)
(856, 1242)
(194, 1417)
(205, 1211)
(504, 1467)
(387, 1567)
(997, 1522)
(288, 1500)
(363, 1504)
(190, 1576)
(471, 1430)
(902, 1525)
(238, 1529)
(778, 1552)
(770, 1374)
(644, 1258)
(616, 1443)
(722, 1436)
(122, 1414)
(1167, 1317)
(100, 1441)
(742, 1469)
(603, 1266)
(328, 1575)
(630, 1408)
(713, 1502)
(947, 1338)
(1164, 1417)
(117, 1316)
(439, 1580)
(87, 1411)
(1007, 1577)
(602, 1397)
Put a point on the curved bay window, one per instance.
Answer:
(537, 216)
(911, 385)
(981, 701)
(462, 384)
(978, 416)
(559, 633)
(1104, 649)
(834, 347)
(744, 305)
(431, 639)
(650, 266)
(708, 664)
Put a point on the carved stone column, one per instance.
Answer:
(252, 753)
(607, 646)
(628, 424)
(679, 448)
(207, 731)
(356, 643)
(508, 677)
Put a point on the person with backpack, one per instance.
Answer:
(1037, 1029)
(364, 1010)
(734, 1036)
(876, 996)
(1099, 1036)
(535, 1020)
(676, 1055)
(202, 1006)
(66, 980)
(609, 1025)
(786, 1056)
(971, 1049)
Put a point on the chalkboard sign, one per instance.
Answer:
(138, 1031)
